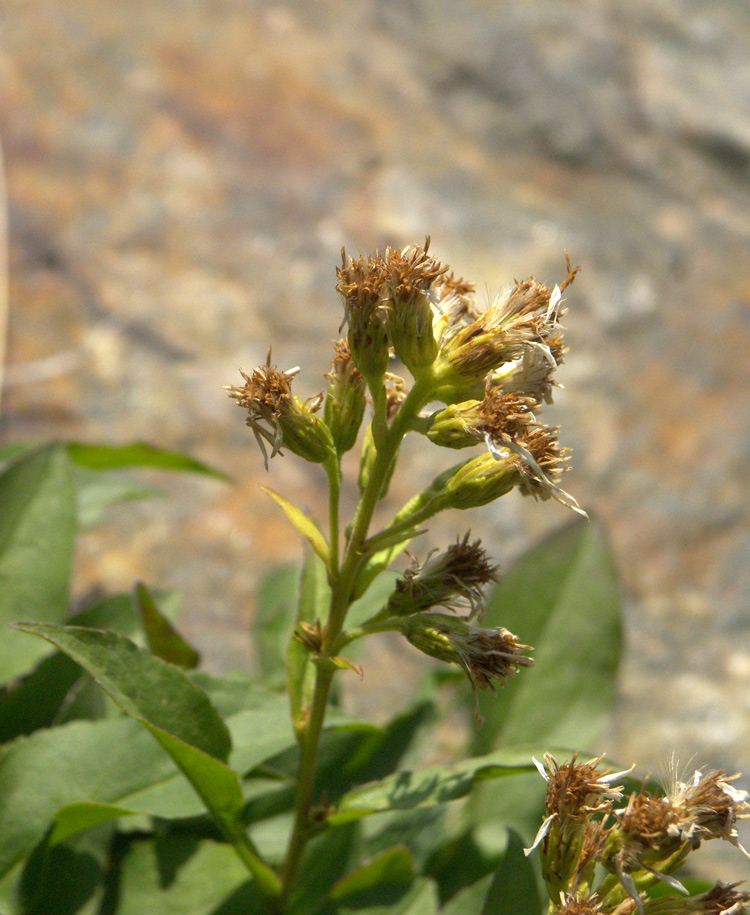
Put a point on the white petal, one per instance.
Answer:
(543, 830)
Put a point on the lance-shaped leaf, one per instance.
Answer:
(145, 687)
(304, 524)
(431, 785)
(562, 597)
(137, 454)
(176, 712)
(37, 534)
(163, 639)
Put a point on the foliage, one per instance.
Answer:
(192, 794)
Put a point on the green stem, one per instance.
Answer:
(333, 469)
(305, 781)
(388, 441)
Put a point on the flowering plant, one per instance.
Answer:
(246, 805)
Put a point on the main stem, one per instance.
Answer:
(342, 587)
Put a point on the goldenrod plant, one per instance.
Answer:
(257, 794)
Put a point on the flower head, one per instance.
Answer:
(279, 418)
(360, 284)
(345, 401)
(453, 579)
(524, 319)
(410, 275)
(486, 656)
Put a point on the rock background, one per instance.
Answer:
(182, 176)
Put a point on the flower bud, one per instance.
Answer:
(345, 401)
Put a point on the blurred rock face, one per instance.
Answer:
(183, 176)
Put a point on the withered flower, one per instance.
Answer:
(410, 275)
(279, 418)
(486, 656)
(523, 319)
(360, 284)
(454, 579)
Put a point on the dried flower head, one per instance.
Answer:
(487, 656)
(721, 899)
(707, 807)
(454, 579)
(360, 284)
(571, 840)
(524, 318)
(279, 418)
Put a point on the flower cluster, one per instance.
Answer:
(490, 370)
(635, 845)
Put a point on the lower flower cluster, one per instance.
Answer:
(601, 853)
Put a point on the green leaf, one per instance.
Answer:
(155, 693)
(314, 599)
(513, 890)
(431, 785)
(37, 536)
(458, 863)
(273, 620)
(562, 598)
(104, 761)
(163, 639)
(419, 899)
(382, 879)
(304, 524)
(113, 768)
(172, 876)
(137, 454)
(470, 900)
(58, 690)
(337, 849)
(97, 490)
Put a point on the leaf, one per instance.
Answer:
(273, 620)
(103, 761)
(562, 597)
(97, 490)
(385, 875)
(431, 785)
(513, 890)
(314, 599)
(458, 863)
(146, 688)
(37, 537)
(176, 712)
(58, 690)
(163, 639)
(137, 454)
(171, 875)
(470, 900)
(337, 849)
(304, 524)
(112, 768)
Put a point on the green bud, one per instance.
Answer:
(345, 401)
(456, 426)
(480, 481)
(411, 331)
